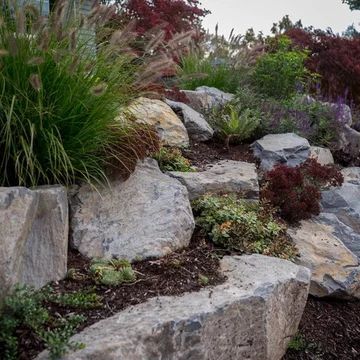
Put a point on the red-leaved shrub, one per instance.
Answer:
(175, 16)
(296, 191)
(335, 58)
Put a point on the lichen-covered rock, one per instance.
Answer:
(169, 127)
(204, 98)
(335, 269)
(34, 236)
(147, 215)
(288, 149)
(195, 123)
(223, 177)
(322, 155)
(253, 315)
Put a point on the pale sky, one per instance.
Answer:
(261, 14)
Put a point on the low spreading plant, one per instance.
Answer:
(24, 308)
(280, 73)
(296, 191)
(171, 159)
(59, 99)
(241, 226)
(112, 272)
(77, 300)
(234, 123)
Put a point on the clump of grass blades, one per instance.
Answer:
(59, 100)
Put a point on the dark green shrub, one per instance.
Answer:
(58, 102)
(278, 74)
(242, 226)
(171, 159)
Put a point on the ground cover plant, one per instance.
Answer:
(242, 226)
(296, 191)
(171, 159)
(58, 106)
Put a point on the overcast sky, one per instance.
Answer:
(260, 14)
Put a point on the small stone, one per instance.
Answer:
(322, 155)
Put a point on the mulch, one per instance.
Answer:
(202, 154)
(331, 330)
(172, 275)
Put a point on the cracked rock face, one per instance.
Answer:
(253, 315)
(147, 215)
(288, 149)
(223, 177)
(335, 269)
(34, 236)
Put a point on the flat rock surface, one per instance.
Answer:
(169, 127)
(147, 215)
(34, 236)
(335, 269)
(224, 176)
(252, 315)
(288, 149)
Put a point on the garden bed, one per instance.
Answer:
(328, 330)
(183, 271)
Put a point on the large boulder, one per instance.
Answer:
(322, 155)
(223, 177)
(34, 236)
(156, 113)
(288, 149)
(253, 315)
(335, 269)
(195, 123)
(148, 215)
(204, 98)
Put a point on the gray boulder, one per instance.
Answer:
(253, 315)
(204, 98)
(351, 175)
(289, 149)
(34, 236)
(322, 155)
(225, 176)
(195, 123)
(147, 215)
(335, 269)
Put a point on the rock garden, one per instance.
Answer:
(170, 194)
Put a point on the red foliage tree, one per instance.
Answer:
(296, 191)
(335, 58)
(175, 16)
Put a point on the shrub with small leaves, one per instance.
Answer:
(171, 159)
(112, 272)
(296, 191)
(242, 226)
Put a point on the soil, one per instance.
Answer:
(202, 154)
(330, 330)
(173, 275)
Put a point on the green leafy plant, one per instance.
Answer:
(242, 226)
(235, 123)
(59, 100)
(203, 280)
(78, 300)
(112, 272)
(278, 74)
(297, 343)
(24, 308)
(171, 159)
(197, 71)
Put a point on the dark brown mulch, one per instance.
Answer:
(202, 154)
(331, 330)
(173, 275)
